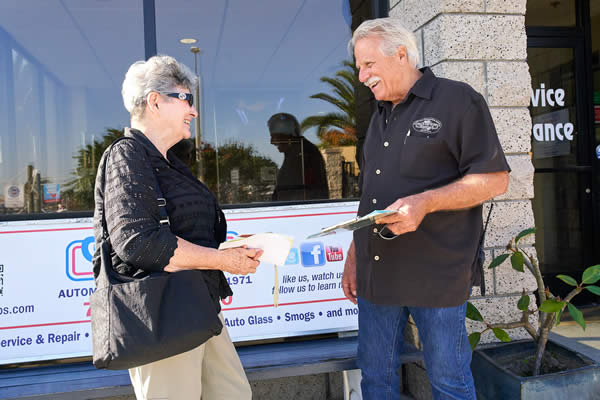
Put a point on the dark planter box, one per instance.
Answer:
(494, 382)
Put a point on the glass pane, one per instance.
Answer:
(556, 202)
(553, 107)
(595, 29)
(556, 208)
(550, 13)
(61, 71)
(595, 32)
(285, 61)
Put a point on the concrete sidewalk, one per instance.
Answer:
(571, 335)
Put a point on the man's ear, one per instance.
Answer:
(402, 53)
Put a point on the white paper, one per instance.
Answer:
(275, 246)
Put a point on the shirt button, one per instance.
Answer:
(374, 201)
(375, 230)
(386, 144)
(378, 171)
(376, 258)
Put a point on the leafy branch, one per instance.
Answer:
(551, 307)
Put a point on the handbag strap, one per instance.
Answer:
(102, 217)
(162, 202)
(480, 247)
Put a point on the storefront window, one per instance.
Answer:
(277, 114)
(550, 13)
(595, 30)
(595, 33)
(60, 75)
(565, 141)
(276, 100)
(555, 136)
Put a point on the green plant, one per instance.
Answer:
(550, 307)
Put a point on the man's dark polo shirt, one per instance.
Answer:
(451, 135)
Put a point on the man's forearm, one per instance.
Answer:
(469, 191)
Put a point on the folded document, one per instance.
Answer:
(275, 246)
(354, 224)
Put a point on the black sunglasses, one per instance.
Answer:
(182, 96)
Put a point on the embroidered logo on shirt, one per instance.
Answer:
(428, 126)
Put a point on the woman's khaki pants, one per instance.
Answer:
(212, 371)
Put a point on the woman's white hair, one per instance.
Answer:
(393, 35)
(158, 74)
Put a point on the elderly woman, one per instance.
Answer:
(157, 93)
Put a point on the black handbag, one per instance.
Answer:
(136, 321)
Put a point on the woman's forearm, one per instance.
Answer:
(191, 256)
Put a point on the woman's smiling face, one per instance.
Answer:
(179, 113)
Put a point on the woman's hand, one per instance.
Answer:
(240, 260)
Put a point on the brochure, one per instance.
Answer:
(275, 246)
(354, 224)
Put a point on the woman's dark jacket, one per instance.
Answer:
(141, 244)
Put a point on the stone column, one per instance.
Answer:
(483, 43)
(333, 166)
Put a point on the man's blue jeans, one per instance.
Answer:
(445, 345)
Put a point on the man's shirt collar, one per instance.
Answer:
(422, 88)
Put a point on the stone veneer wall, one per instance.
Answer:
(483, 43)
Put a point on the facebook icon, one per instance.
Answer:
(312, 254)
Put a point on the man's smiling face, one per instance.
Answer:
(385, 75)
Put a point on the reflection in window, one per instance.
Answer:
(550, 13)
(60, 75)
(302, 174)
(556, 207)
(283, 58)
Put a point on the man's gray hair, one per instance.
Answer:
(158, 74)
(393, 35)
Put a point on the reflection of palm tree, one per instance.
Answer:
(79, 193)
(337, 128)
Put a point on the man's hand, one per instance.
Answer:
(411, 211)
(467, 192)
(349, 276)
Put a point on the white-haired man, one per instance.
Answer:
(431, 153)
